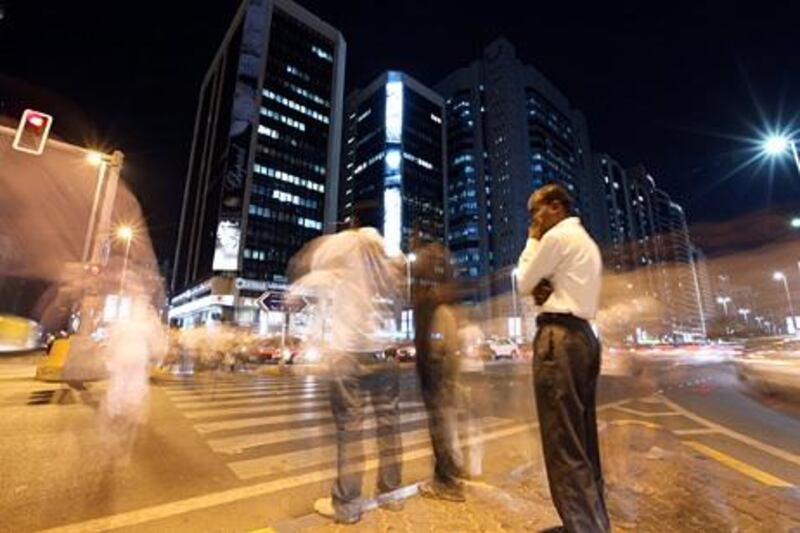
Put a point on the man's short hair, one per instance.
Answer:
(552, 192)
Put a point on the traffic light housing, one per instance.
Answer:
(32, 132)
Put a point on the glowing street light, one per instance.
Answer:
(744, 313)
(777, 145)
(795, 222)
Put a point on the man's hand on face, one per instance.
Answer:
(535, 231)
(542, 291)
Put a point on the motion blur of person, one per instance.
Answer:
(561, 268)
(352, 273)
(134, 342)
(437, 348)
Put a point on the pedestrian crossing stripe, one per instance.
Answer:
(323, 455)
(240, 443)
(225, 425)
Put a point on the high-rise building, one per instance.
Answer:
(649, 244)
(509, 131)
(394, 161)
(264, 166)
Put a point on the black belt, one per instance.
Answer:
(562, 319)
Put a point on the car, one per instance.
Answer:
(503, 348)
(406, 353)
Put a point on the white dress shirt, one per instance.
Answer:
(568, 257)
(350, 271)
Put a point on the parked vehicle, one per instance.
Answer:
(503, 348)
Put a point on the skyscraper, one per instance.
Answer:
(649, 244)
(264, 166)
(394, 160)
(509, 131)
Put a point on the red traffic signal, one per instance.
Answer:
(32, 132)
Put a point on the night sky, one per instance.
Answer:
(678, 87)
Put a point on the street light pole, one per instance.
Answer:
(514, 299)
(780, 276)
(410, 258)
(124, 267)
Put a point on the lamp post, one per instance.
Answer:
(780, 276)
(410, 258)
(514, 300)
(744, 313)
(106, 189)
(124, 233)
(724, 301)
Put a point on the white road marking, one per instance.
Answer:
(225, 425)
(239, 443)
(761, 446)
(279, 463)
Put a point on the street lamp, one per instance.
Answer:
(744, 313)
(410, 258)
(106, 188)
(795, 222)
(514, 300)
(724, 301)
(780, 276)
(124, 233)
(777, 145)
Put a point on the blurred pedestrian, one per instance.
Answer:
(437, 356)
(561, 267)
(352, 272)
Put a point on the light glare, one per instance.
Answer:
(776, 144)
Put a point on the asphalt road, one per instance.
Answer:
(243, 452)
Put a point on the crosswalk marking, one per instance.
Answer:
(235, 417)
(320, 456)
(247, 394)
(255, 399)
(213, 427)
(260, 408)
(240, 443)
(235, 390)
(228, 389)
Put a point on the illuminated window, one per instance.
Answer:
(319, 52)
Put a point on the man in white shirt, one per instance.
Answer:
(562, 268)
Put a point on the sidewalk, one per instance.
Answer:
(655, 483)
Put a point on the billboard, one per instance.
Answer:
(226, 247)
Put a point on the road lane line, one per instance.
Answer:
(766, 448)
(739, 466)
(636, 412)
(287, 462)
(241, 423)
(699, 431)
(197, 503)
(629, 422)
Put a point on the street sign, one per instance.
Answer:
(280, 301)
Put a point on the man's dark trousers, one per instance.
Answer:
(357, 378)
(566, 368)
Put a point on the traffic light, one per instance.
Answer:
(32, 132)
